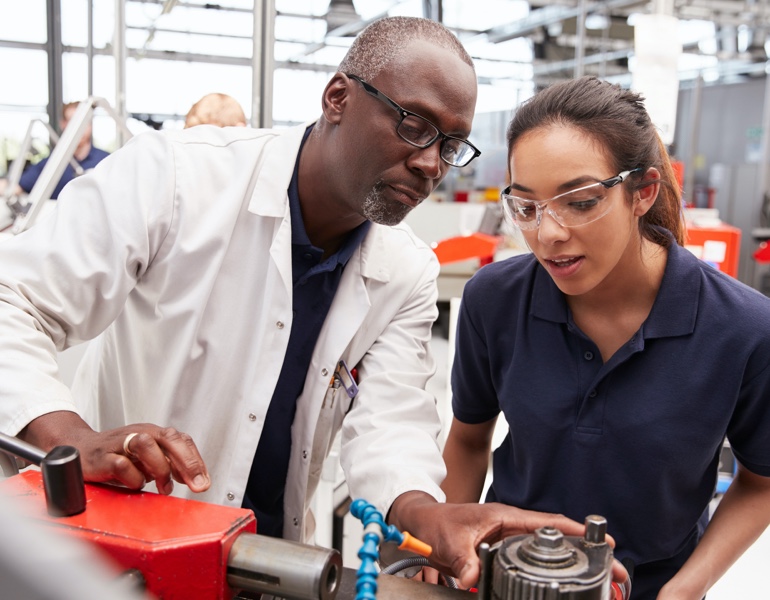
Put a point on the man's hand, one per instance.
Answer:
(155, 453)
(455, 531)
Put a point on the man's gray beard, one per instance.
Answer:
(379, 210)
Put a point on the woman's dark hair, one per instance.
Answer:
(617, 119)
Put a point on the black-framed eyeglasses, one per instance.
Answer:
(419, 132)
(571, 209)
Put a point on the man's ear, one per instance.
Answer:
(646, 196)
(334, 98)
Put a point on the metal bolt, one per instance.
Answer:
(548, 537)
(596, 529)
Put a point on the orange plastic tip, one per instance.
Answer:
(412, 544)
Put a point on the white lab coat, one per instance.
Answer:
(176, 252)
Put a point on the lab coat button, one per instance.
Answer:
(304, 454)
(252, 417)
(295, 520)
(230, 496)
(324, 372)
(588, 356)
(279, 324)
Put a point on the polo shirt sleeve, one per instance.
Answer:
(749, 429)
(30, 176)
(474, 398)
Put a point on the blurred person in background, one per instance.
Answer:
(216, 109)
(86, 155)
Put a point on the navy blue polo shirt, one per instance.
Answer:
(315, 282)
(31, 174)
(636, 439)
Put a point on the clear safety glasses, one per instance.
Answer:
(571, 209)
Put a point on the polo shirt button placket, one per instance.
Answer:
(588, 355)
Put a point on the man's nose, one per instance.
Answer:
(428, 160)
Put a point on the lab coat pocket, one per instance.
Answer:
(326, 427)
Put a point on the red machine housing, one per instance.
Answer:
(181, 547)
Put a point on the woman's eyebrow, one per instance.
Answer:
(566, 186)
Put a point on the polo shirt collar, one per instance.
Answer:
(673, 313)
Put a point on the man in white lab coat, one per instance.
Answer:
(229, 277)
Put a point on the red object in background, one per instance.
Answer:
(727, 234)
(465, 247)
(180, 546)
(762, 254)
(461, 196)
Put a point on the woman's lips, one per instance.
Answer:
(564, 266)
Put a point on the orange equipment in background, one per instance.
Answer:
(465, 247)
(719, 245)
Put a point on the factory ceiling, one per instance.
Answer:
(539, 40)
(516, 44)
(567, 37)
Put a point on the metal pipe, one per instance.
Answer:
(54, 49)
(21, 449)
(689, 171)
(263, 64)
(283, 568)
(581, 38)
(90, 47)
(119, 54)
(764, 159)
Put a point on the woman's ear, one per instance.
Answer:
(645, 197)
(334, 97)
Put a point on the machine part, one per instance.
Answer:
(282, 568)
(62, 474)
(182, 549)
(551, 566)
(390, 587)
(417, 561)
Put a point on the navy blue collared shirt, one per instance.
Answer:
(636, 439)
(315, 282)
(31, 174)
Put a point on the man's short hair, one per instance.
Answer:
(385, 39)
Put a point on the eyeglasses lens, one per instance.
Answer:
(579, 207)
(419, 132)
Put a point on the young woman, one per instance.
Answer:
(618, 359)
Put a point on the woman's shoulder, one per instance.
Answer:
(502, 282)
(510, 272)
